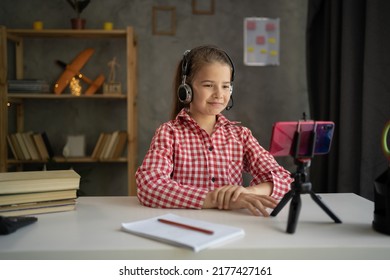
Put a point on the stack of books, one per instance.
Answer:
(38, 192)
(110, 145)
(30, 146)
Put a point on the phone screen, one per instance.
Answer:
(283, 133)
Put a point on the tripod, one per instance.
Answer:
(301, 185)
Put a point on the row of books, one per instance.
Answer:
(30, 146)
(38, 192)
(110, 145)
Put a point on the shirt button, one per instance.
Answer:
(211, 148)
(213, 179)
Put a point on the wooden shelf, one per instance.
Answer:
(16, 38)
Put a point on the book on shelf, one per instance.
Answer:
(38, 208)
(110, 145)
(38, 181)
(28, 86)
(30, 146)
(184, 232)
(41, 146)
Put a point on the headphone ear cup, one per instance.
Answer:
(184, 93)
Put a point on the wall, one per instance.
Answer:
(263, 95)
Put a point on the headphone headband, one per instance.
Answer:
(185, 69)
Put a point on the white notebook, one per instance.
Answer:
(200, 236)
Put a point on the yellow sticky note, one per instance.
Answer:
(272, 40)
(263, 51)
(273, 53)
(251, 49)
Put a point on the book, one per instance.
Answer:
(22, 145)
(98, 146)
(30, 144)
(110, 146)
(12, 147)
(17, 147)
(28, 86)
(38, 181)
(41, 147)
(184, 237)
(121, 145)
(12, 199)
(38, 208)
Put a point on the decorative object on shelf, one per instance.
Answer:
(164, 20)
(38, 25)
(73, 69)
(108, 25)
(203, 7)
(78, 6)
(75, 146)
(112, 87)
(75, 87)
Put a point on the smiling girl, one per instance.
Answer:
(197, 159)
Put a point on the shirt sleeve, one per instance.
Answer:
(263, 167)
(153, 177)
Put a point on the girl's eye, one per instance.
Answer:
(208, 85)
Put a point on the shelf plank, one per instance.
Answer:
(71, 160)
(63, 96)
(63, 33)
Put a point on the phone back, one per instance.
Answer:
(283, 137)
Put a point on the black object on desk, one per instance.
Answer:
(11, 224)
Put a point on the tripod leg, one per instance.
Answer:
(318, 200)
(293, 214)
(282, 203)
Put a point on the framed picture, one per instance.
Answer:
(203, 7)
(164, 20)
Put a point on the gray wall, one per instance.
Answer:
(263, 95)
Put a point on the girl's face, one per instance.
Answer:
(211, 89)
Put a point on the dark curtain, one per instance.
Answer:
(348, 69)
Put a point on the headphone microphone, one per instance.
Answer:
(184, 92)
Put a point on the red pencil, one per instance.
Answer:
(206, 231)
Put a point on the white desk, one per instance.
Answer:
(93, 232)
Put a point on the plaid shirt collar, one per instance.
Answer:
(184, 117)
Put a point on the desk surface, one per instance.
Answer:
(92, 231)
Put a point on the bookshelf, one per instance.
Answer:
(16, 38)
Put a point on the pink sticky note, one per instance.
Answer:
(260, 40)
(270, 26)
(251, 25)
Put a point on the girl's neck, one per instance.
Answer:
(205, 122)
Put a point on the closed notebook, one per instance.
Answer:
(184, 237)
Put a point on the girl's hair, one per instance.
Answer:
(196, 59)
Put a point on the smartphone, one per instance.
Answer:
(283, 134)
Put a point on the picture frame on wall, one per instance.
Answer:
(164, 20)
(203, 7)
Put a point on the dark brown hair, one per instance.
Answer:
(196, 59)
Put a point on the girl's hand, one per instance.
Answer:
(255, 203)
(222, 197)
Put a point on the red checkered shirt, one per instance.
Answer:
(184, 163)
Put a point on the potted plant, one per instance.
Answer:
(78, 6)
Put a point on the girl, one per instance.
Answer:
(197, 159)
